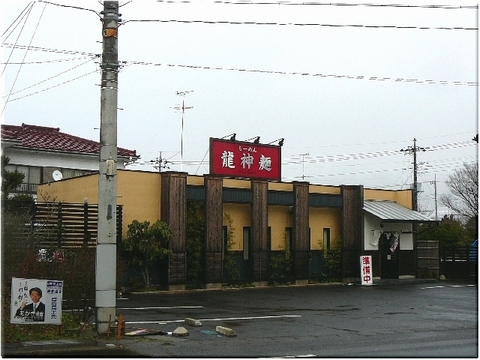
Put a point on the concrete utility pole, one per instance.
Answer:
(414, 150)
(106, 250)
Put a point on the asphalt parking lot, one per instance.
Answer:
(438, 319)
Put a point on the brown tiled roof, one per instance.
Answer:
(49, 138)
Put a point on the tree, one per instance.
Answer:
(449, 232)
(10, 179)
(147, 244)
(463, 185)
(194, 244)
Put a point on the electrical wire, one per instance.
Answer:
(47, 61)
(54, 86)
(309, 3)
(349, 77)
(70, 6)
(44, 49)
(18, 37)
(18, 19)
(334, 76)
(357, 26)
(24, 57)
(50, 78)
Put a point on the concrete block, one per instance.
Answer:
(225, 331)
(180, 331)
(192, 322)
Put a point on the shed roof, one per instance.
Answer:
(390, 211)
(52, 139)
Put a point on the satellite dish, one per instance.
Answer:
(57, 175)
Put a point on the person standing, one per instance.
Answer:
(34, 311)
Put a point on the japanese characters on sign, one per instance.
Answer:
(366, 269)
(244, 159)
(36, 301)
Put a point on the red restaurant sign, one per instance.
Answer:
(245, 159)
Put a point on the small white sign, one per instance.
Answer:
(366, 269)
(36, 301)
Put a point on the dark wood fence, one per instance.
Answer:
(455, 264)
(68, 225)
(428, 259)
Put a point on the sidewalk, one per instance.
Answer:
(68, 348)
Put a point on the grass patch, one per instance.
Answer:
(20, 332)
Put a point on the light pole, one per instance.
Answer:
(182, 109)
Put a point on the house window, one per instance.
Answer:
(326, 238)
(32, 177)
(246, 242)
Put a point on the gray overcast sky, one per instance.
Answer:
(350, 97)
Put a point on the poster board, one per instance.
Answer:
(366, 269)
(35, 301)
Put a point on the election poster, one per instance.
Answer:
(36, 301)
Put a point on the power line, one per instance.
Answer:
(244, 70)
(45, 61)
(357, 26)
(54, 86)
(50, 78)
(70, 6)
(349, 77)
(310, 3)
(24, 56)
(44, 49)
(18, 19)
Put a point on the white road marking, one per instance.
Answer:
(160, 307)
(216, 319)
(451, 286)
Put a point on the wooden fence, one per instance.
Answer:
(455, 264)
(68, 225)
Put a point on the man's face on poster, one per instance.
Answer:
(35, 296)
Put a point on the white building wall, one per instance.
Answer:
(373, 231)
(55, 159)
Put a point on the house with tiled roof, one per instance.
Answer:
(45, 154)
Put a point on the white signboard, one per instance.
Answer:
(36, 301)
(366, 269)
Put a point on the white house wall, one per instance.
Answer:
(29, 157)
(373, 232)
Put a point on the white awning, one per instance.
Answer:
(390, 211)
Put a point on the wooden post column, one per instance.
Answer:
(259, 231)
(174, 213)
(213, 231)
(352, 230)
(301, 232)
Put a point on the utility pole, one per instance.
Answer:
(106, 249)
(182, 109)
(414, 150)
(159, 163)
(303, 164)
(435, 192)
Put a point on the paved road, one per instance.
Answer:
(417, 320)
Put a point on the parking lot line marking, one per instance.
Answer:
(215, 319)
(160, 307)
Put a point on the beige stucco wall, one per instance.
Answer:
(279, 218)
(239, 215)
(321, 218)
(138, 192)
(402, 197)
